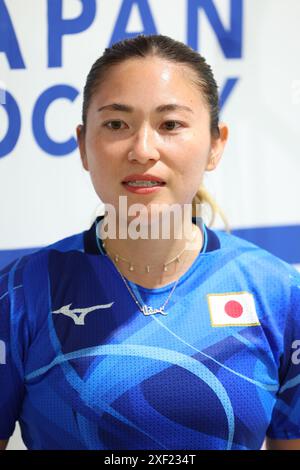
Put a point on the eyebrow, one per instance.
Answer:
(160, 109)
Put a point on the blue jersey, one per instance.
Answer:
(83, 368)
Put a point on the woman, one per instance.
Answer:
(182, 341)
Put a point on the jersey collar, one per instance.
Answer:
(91, 239)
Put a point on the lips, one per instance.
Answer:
(144, 177)
(143, 184)
(143, 189)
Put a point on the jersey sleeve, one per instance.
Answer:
(13, 345)
(285, 421)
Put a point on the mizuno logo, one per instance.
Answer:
(79, 320)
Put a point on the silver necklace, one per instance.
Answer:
(145, 309)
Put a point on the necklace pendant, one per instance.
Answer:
(151, 311)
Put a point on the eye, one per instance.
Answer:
(114, 125)
(170, 125)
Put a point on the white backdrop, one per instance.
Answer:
(46, 51)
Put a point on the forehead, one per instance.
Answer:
(152, 78)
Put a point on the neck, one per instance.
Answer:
(154, 252)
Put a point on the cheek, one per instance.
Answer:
(195, 144)
(192, 157)
(103, 151)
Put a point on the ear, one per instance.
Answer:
(81, 145)
(217, 148)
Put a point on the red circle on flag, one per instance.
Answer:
(233, 308)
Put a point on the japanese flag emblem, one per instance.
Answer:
(232, 309)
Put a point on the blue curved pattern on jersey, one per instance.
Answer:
(85, 369)
(158, 354)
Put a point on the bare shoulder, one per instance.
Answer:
(282, 444)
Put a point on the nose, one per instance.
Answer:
(144, 146)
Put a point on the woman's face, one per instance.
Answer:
(171, 142)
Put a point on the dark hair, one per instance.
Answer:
(159, 46)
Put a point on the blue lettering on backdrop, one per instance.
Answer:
(120, 32)
(9, 141)
(227, 90)
(58, 27)
(38, 120)
(230, 40)
(8, 39)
